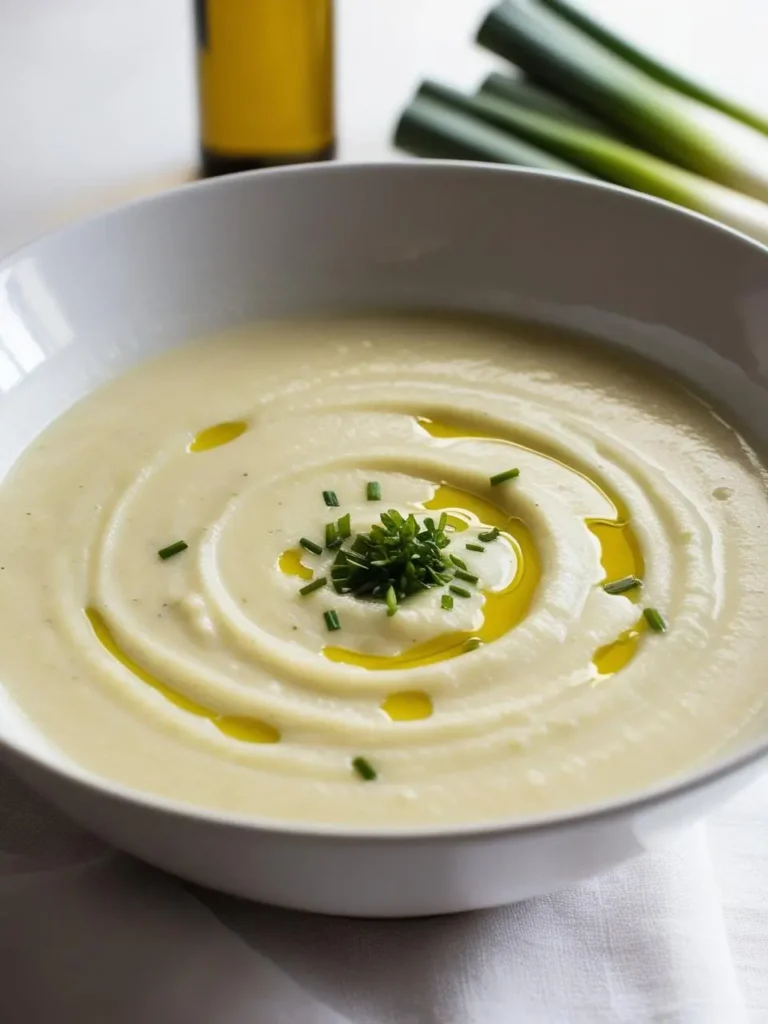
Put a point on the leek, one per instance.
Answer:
(609, 159)
(532, 97)
(553, 51)
(655, 68)
(430, 128)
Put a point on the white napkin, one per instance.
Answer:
(88, 935)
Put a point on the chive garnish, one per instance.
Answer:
(468, 577)
(446, 602)
(332, 539)
(459, 591)
(458, 562)
(331, 499)
(443, 521)
(508, 474)
(313, 586)
(345, 526)
(623, 585)
(391, 599)
(655, 620)
(474, 547)
(489, 536)
(311, 546)
(364, 769)
(472, 644)
(173, 549)
(373, 491)
(397, 552)
(331, 621)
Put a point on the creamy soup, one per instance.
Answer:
(387, 571)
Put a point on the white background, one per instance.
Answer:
(97, 106)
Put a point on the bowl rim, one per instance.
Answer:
(678, 785)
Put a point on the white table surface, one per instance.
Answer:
(97, 106)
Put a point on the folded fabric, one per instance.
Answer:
(87, 935)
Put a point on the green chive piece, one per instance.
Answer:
(364, 769)
(474, 547)
(332, 539)
(391, 599)
(655, 620)
(623, 585)
(468, 577)
(311, 546)
(489, 536)
(508, 474)
(472, 644)
(459, 591)
(331, 621)
(173, 549)
(443, 522)
(331, 499)
(458, 562)
(344, 526)
(313, 586)
(446, 602)
(373, 491)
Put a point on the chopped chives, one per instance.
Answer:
(468, 577)
(459, 591)
(474, 547)
(508, 474)
(489, 536)
(331, 621)
(313, 586)
(443, 521)
(364, 769)
(654, 620)
(446, 602)
(311, 546)
(458, 562)
(173, 549)
(331, 499)
(345, 526)
(623, 585)
(396, 553)
(373, 491)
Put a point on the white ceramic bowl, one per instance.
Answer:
(83, 305)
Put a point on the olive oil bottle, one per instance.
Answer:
(265, 82)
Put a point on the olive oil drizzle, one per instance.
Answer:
(217, 435)
(620, 551)
(407, 706)
(290, 564)
(248, 730)
(502, 610)
(620, 556)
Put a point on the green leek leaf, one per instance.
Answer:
(655, 68)
(430, 128)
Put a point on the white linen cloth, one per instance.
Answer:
(88, 935)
